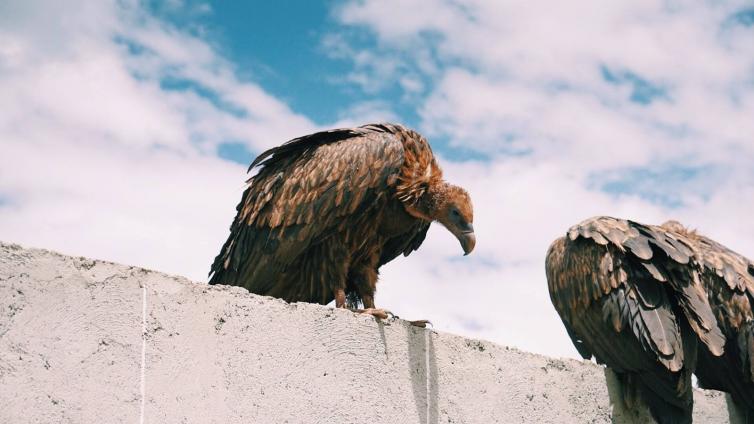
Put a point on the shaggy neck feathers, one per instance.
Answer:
(679, 228)
(419, 184)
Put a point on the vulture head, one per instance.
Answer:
(450, 206)
(455, 212)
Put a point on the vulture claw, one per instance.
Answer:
(377, 313)
(422, 323)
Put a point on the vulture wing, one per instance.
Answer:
(729, 280)
(404, 244)
(628, 296)
(306, 190)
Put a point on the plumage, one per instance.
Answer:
(729, 284)
(326, 210)
(631, 296)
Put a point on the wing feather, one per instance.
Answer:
(625, 294)
(727, 276)
(404, 244)
(304, 191)
(635, 274)
(584, 274)
(667, 257)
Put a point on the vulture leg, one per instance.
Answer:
(340, 298)
(340, 302)
(371, 310)
(363, 276)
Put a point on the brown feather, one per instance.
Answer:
(729, 286)
(324, 211)
(712, 287)
(628, 295)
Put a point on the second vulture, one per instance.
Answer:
(327, 210)
(656, 304)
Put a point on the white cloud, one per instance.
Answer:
(100, 159)
(525, 83)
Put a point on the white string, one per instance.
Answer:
(426, 367)
(143, 349)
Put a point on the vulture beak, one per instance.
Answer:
(467, 239)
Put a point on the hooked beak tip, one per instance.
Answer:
(468, 241)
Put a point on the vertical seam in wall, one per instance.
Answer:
(143, 349)
(426, 367)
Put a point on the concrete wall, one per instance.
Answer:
(92, 341)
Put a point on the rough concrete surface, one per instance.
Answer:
(92, 341)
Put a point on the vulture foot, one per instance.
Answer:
(377, 313)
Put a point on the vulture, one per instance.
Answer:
(647, 302)
(325, 211)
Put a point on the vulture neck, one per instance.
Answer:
(430, 203)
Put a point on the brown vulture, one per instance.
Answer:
(325, 211)
(633, 296)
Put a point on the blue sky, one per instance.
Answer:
(127, 127)
(280, 46)
(285, 49)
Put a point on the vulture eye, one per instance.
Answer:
(454, 213)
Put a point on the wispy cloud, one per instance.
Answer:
(112, 125)
(636, 109)
(125, 136)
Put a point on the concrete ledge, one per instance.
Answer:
(73, 332)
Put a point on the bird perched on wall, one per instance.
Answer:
(631, 296)
(327, 210)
